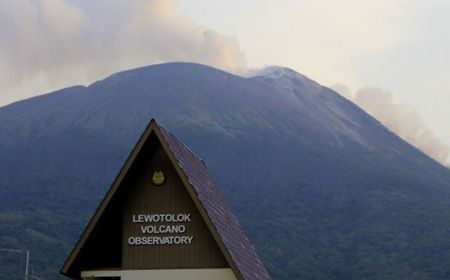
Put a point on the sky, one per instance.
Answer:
(389, 57)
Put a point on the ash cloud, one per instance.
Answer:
(401, 119)
(49, 44)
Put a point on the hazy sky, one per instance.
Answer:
(393, 51)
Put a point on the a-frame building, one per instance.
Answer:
(163, 218)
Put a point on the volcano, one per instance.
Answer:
(322, 189)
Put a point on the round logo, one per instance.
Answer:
(158, 178)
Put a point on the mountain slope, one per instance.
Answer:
(323, 190)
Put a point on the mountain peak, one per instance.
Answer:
(287, 76)
(277, 72)
(280, 72)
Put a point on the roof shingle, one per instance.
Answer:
(213, 201)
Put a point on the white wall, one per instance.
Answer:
(162, 274)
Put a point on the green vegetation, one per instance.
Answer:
(319, 202)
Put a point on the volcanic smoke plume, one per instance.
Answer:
(402, 120)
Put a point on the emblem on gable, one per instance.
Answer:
(158, 178)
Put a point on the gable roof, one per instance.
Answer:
(219, 218)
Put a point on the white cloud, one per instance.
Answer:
(49, 44)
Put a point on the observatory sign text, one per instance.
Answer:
(161, 229)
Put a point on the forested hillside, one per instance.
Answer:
(323, 190)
